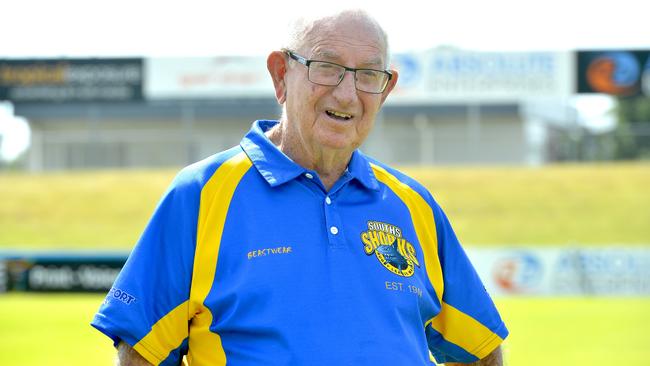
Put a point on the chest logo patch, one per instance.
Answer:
(392, 250)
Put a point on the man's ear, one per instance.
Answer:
(391, 84)
(276, 63)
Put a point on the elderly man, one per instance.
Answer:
(294, 248)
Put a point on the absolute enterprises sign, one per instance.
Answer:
(461, 76)
(620, 73)
(71, 80)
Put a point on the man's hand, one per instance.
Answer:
(127, 356)
(493, 359)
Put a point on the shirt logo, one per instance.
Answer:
(268, 251)
(391, 249)
(120, 295)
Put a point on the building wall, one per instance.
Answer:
(430, 138)
(111, 138)
(106, 143)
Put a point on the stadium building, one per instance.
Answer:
(450, 107)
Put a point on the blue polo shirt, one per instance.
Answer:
(248, 260)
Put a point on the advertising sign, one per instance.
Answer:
(429, 77)
(453, 76)
(544, 271)
(62, 273)
(200, 78)
(528, 271)
(615, 72)
(71, 80)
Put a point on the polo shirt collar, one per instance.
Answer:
(270, 162)
(277, 168)
(359, 168)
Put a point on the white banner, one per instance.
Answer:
(437, 76)
(610, 271)
(451, 76)
(196, 78)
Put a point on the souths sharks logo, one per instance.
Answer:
(392, 250)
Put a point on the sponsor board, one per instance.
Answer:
(427, 77)
(518, 273)
(616, 72)
(200, 78)
(71, 80)
(528, 271)
(62, 273)
(556, 271)
(455, 76)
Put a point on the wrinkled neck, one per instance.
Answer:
(330, 164)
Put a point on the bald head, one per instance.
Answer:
(303, 31)
(331, 86)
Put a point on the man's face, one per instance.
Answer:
(335, 117)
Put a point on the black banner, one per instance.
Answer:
(60, 273)
(619, 73)
(71, 80)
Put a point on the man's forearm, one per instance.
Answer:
(127, 356)
(493, 359)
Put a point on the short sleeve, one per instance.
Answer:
(468, 326)
(147, 307)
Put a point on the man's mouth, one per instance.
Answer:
(338, 115)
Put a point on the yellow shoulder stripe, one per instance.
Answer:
(465, 331)
(205, 346)
(454, 325)
(423, 222)
(169, 331)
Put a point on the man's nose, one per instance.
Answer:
(346, 91)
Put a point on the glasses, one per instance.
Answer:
(331, 74)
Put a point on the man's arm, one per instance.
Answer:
(493, 359)
(127, 356)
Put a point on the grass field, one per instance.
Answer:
(563, 204)
(54, 330)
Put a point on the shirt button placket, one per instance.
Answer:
(333, 223)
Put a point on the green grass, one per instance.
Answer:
(561, 204)
(45, 329)
(556, 331)
(557, 204)
(577, 331)
(78, 209)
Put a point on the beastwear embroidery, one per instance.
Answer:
(268, 251)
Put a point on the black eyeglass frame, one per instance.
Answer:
(307, 62)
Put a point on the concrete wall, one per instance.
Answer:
(178, 134)
(453, 138)
(74, 144)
